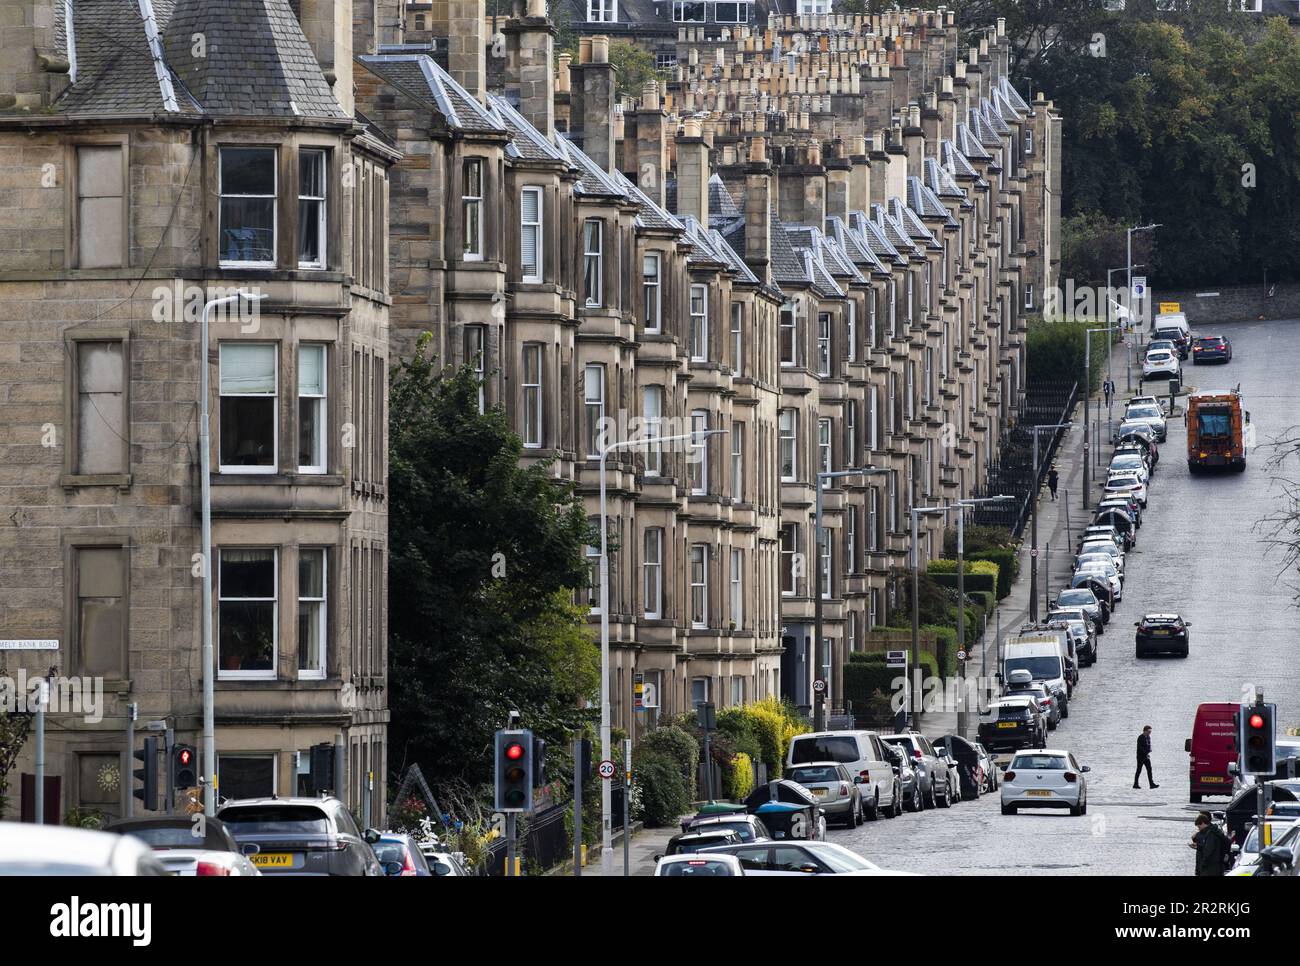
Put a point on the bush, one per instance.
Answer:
(739, 727)
(775, 724)
(863, 679)
(679, 746)
(662, 794)
(983, 583)
(945, 648)
(985, 600)
(1008, 566)
(740, 777)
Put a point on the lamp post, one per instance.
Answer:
(916, 512)
(961, 594)
(822, 659)
(205, 485)
(1033, 527)
(1087, 394)
(606, 792)
(1128, 258)
(1128, 354)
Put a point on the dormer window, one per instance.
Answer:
(688, 11)
(246, 235)
(602, 11)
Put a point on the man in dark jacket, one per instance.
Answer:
(1211, 847)
(1144, 758)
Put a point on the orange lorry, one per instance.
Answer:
(1214, 432)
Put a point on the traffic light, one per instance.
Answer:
(514, 771)
(1259, 739)
(539, 762)
(147, 774)
(185, 771)
(584, 759)
(322, 768)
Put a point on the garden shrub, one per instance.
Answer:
(680, 746)
(662, 793)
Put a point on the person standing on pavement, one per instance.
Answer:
(1108, 388)
(1052, 480)
(1211, 847)
(1144, 758)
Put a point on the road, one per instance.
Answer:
(1201, 553)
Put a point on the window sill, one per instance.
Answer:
(276, 479)
(226, 683)
(70, 481)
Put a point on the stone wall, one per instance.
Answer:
(1233, 303)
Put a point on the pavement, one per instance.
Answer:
(1201, 552)
(644, 845)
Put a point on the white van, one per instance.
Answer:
(862, 754)
(1044, 656)
(1172, 320)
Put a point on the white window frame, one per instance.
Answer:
(653, 421)
(652, 573)
(271, 674)
(535, 228)
(1029, 295)
(787, 565)
(471, 210)
(602, 11)
(737, 462)
(851, 332)
(825, 452)
(823, 344)
(321, 406)
(593, 255)
(743, 9)
(851, 538)
(321, 202)
(679, 11)
(652, 289)
(738, 588)
(790, 310)
(850, 432)
(788, 439)
(737, 337)
(275, 414)
(700, 445)
(699, 582)
(275, 205)
(533, 423)
(825, 552)
(322, 617)
(593, 406)
(699, 310)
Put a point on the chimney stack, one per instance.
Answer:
(758, 211)
(651, 154)
(32, 72)
(375, 23)
(592, 100)
(693, 172)
(461, 22)
(530, 43)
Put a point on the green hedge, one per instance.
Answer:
(1008, 567)
(983, 583)
(663, 797)
(986, 600)
(864, 678)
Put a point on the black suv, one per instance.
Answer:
(301, 836)
(1162, 632)
(1013, 723)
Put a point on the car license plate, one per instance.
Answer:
(1212, 779)
(819, 792)
(1160, 632)
(1038, 793)
(272, 860)
(1006, 724)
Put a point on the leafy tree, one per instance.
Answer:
(15, 727)
(634, 65)
(484, 558)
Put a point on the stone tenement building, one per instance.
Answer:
(153, 153)
(823, 238)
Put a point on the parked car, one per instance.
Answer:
(932, 777)
(1039, 692)
(750, 828)
(688, 843)
(1045, 778)
(445, 863)
(1128, 481)
(905, 772)
(1085, 637)
(838, 792)
(1211, 348)
(1013, 723)
(301, 836)
(860, 752)
(27, 849)
(1089, 566)
(702, 865)
(1161, 364)
(1130, 459)
(1157, 633)
(1148, 400)
(399, 855)
(802, 858)
(1284, 802)
(1280, 841)
(185, 847)
(1083, 599)
(1150, 416)
(953, 779)
(991, 770)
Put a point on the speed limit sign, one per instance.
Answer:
(605, 769)
(819, 685)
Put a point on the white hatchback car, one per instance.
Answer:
(703, 865)
(801, 858)
(1119, 481)
(1161, 364)
(1044, 778)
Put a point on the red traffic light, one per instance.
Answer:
(514, 752)
(185, 756)
(1257, 721)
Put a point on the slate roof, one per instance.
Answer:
(940, 180)
(855, 247)
(526, 141)
(593, 180)
(139, 57)
(721, 204)
(873, 235)
(969, 145)
(979, 126)
(787, 267)
(911, 222)
(894, 233)
(420, 77)
(649, 214)
(1013, 96)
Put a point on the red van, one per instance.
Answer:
(1211, 748)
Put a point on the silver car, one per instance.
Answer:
(1045, 778)
(837, 792)
(933, 776)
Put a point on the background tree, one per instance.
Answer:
(484, 558)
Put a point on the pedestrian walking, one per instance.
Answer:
(1144, 758)
(1052, 480)
(1211, 845)
(1108, 388)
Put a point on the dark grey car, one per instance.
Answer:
(301, 836)
(933, 774)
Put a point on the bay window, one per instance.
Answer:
(312, 616)
(247, 185)
(312, 227)
(248, 386)
(593, 255)
(530, 234)
(699, 323)
(311, 409)
(532, 385)
(471, 209)
(247, 621)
